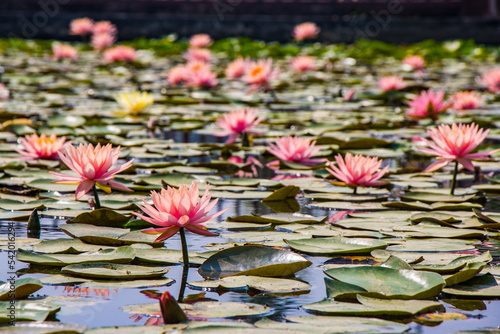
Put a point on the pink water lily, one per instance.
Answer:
(391, 83)
(42, 147)
(81, 26)
(455, 143)
(415, 62)
(200, 41)
(466, 100)
(491, 80)
(427, 105)
(92, 166)
(175, 209)
(295, 149)
(303, 64)
(305, 30)
(238, 122)
(260, 74)
(358, 170)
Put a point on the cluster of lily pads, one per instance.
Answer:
(293, 140)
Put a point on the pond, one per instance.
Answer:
(332, 242)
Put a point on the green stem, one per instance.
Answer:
(454, 180)
(185, 260)
(96, 198)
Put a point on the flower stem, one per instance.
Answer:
(96, 198)
(185, 260)
(185, 256)
(355, 191)
(454, 180)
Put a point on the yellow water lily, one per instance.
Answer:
(134, 102)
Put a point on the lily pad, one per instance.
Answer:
(112, 271)
(103, 235)
(480, 287)
(259, 283)
(253, 261)
(101, 217)
(22, 288)
(374, 307)
(43, 328)
(279, 218)
(123, 254)
(372, 281)
(64, 246)
(335, 245)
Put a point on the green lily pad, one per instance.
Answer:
(253, 260)
(314, 324)
(28, 310)
(480, 287)
(430, 246)
(112, 271)
(46, 184)
(335, 245)
(374, 307)
(64, 246)
(103, 235)
(161, 256)
(66, 120)
(372, 281)
(282, 194)
(101, 217)
(43, 327)
(23, 287)
(432, 197)
(470, 271)
(205, 310)
(123, 254)
(259, 283)
(279, 218)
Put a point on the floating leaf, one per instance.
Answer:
(101, 217)
(259, 283)
(23, 287)
(282, 194)
(373, 307)
(64, 246)
(279, 218)
(28, 310)
(335, 245)
(123, 254)
(253, 261)
(112, 271)
(43, 328)
(372, 282)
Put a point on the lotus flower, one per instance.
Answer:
(42, 147)
(119, 53)
(93, 168)
(466, 100)
(492, 80)
(64, 51)
(200, 41)
(305, 30)
(175, 209)
(236, 68)
(390, 83)
(82, 26)
(358, 170)
(414, 62)
(303, 64)
(204, 55)
(455, 143)
(102, 41)
(134, 102)
(238, 122)
(427, 105)
(295, 149)
(260, 74)
(104, 27)
(176, 75)
(202, 78)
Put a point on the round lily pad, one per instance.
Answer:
(253, 261)
(336, 245)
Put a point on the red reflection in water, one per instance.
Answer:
(71, 291)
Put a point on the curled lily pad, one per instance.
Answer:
(29, 310)
(372, 281)
(112, 271)
(264, 284)
(22, 288)
(336, 245)
(470, 271)
(123, 254)
(481, 287)
(374, 307)
(282, 194)
(253, 261)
